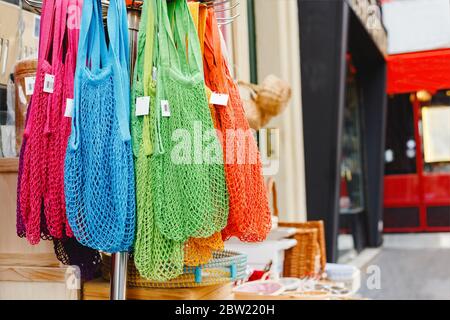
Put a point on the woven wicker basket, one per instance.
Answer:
(22, 70)
(320, 240)
(308, 257)
(271, 96)
(255, 117)
(303, 260)
(226, 266)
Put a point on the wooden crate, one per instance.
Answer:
(10, 243)
(26, 271)
(39, 283)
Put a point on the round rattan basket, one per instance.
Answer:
(256, 117)
(226, 266)
(271, 96)
(22, 70)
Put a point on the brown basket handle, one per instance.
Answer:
(272, 188)
(254, 88)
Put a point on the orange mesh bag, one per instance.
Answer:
(249, 217)
(202, 15)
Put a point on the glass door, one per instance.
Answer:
(352, 182)
(352, 202)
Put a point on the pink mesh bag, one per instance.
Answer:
(41, 196)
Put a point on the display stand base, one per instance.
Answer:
(99, 290)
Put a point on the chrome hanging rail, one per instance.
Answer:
(220, 6)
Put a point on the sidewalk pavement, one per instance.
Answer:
(411, 266)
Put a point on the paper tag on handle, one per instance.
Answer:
(29, 85)
(219, 99)
(69, 108)
(49, 83)
(22, 98)
(165, 108)
(154, 73)
(142, 106)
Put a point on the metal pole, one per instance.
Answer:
(119, 263)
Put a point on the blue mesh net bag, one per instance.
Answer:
(99, 173)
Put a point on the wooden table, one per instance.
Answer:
(99, 290)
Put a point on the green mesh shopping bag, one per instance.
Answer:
(139, 121)
(156, 257)
(188, 187)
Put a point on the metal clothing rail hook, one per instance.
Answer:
(220, 6)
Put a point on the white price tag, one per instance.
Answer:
(29, 85)
(154, 73)
(22, 98)
(165, 108)
(49, 83)
(69, 108)
(219, 99)
(142, 106)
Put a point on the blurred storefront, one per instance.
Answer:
(331, 138)
(417, 176)
(343, 47)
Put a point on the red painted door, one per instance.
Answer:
(416, 192)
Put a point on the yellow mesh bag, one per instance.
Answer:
(198, 251)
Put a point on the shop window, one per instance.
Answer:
(438, 216)
(352, 195)
(400, 153)
(407, 217)
(436, 133)
(2, 105)
(12, 1)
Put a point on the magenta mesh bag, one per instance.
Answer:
(67, 249)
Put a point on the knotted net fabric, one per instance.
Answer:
(176, 199)
(60, 120)
(68, 250)
(41, 177)
(33, 178)
(20, 224)
(188, 183)
(199, 251)
(49, 219)
(156, 257)
(249, 217)
(99, 173)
